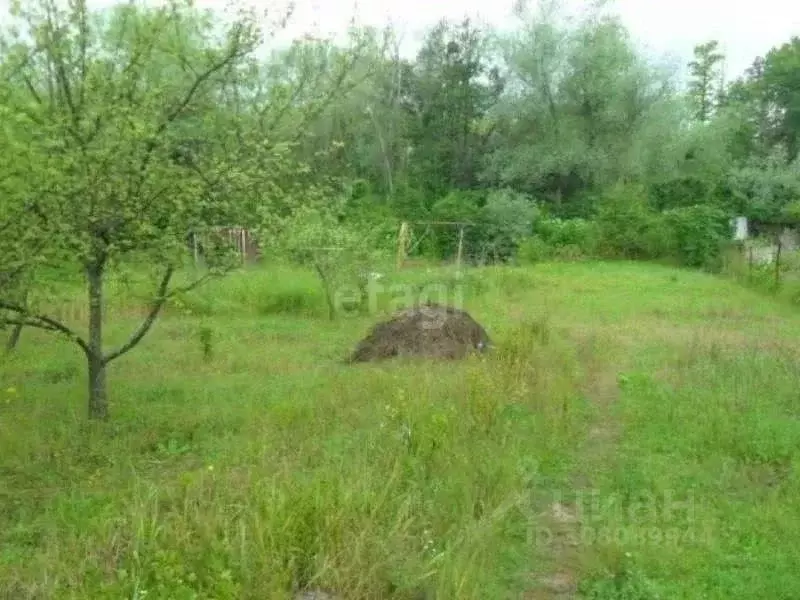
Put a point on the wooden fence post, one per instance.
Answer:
(402, 244)
(460, 247)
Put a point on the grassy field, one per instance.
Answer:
(635, 435)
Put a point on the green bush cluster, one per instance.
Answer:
(627, 226)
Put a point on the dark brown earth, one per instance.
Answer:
(429, 330)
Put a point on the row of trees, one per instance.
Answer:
(487, 127)
(124, 130)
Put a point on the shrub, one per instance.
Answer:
(337, 253)
(627, 226)
(576, 234)
(569, 253)
(697, 235)
(766, 187)
(533, 250)
(506, 221)
(457, 206)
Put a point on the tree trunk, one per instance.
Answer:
(387, 164)
(326, 284)
(16, 332)
(13, 339)
(98, 398)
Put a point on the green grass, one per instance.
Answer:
(268, 465)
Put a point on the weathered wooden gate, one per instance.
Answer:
(240, 238)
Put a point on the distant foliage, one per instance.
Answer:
(765, 186)
(533, 250)
(628, 227)
(458, 206)
(506, 220)
(697, 235)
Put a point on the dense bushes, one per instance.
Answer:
(506, 220)
(627, 226)
(628, 223)
(498, 221)
(696, 235)
(554, 238)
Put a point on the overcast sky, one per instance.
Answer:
(745, 28)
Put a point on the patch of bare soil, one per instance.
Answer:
(558, 542)
(429, 330)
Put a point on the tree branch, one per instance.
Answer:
(13, 272)
(83, 33)
(137, 58)
(155, 309)
(336, 89)
(278, 117)
(233, 53)
(26, 319)
(55, 55)
(29, 85)
(162, 295)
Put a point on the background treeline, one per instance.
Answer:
(555, 138)
(562, 140)
(128, 128)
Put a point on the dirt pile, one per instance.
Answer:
(429, 330)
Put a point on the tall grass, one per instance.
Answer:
(273, 468)
(266, 466)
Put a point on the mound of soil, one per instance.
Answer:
(429, 330)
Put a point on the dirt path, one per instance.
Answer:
(558, 549)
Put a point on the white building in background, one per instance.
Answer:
(761, 238)
(739, 225)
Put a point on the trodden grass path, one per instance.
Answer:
(635, 436)
(559, 535)
(686, 483)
